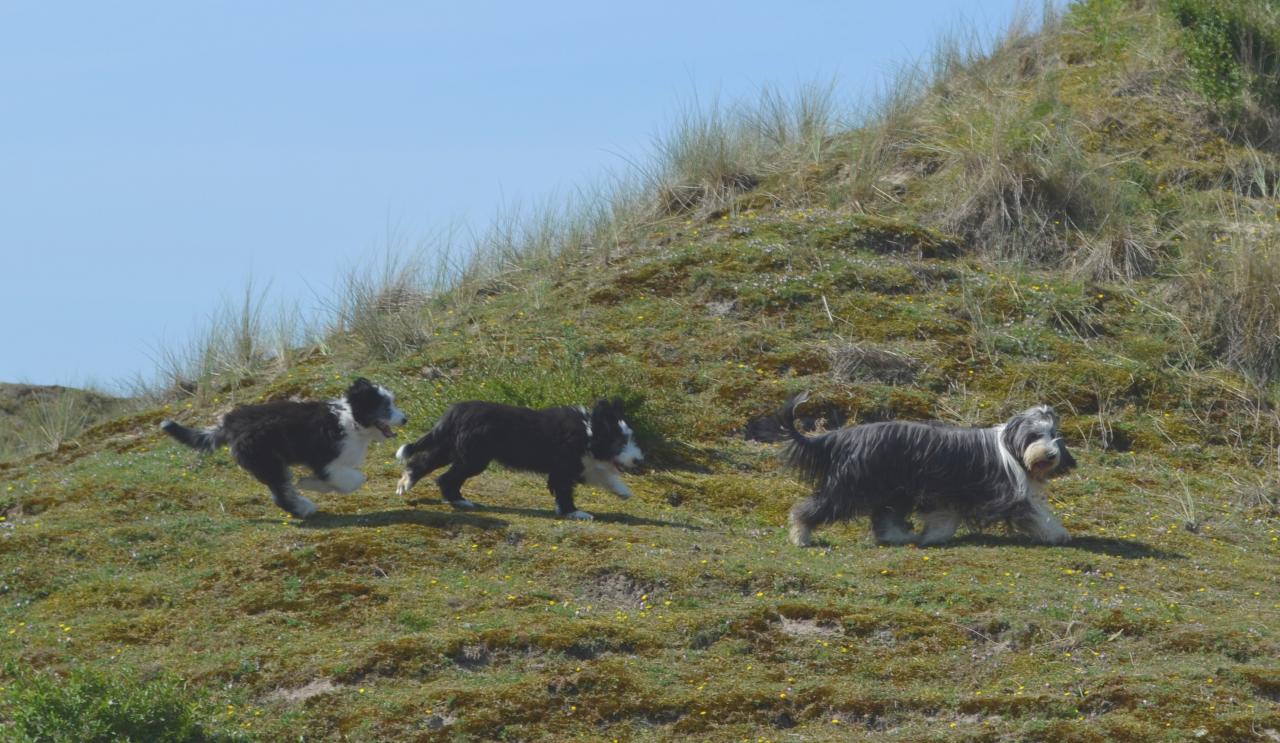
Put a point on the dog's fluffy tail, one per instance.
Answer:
(428, 440)
(206, 439)
(808, 456)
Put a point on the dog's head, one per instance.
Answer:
(373, 406)
(611, 437)
(1032, 438)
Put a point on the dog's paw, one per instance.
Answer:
(1058, 537)
(578, 516)
(462, 504)
(406, 482)
(303, 507)
(623, 493)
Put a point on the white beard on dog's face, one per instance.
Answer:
(1042, 458)
(630, 455)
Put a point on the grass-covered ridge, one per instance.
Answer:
(1071, 219)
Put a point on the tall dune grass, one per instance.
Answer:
(975, 140)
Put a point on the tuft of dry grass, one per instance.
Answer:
(245, 341)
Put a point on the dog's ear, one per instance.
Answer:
(1068, 462)
(604, 417)
(361, 388)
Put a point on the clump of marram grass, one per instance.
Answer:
(383, 307)
(36, 419)
(706, 159)
(713, 154)
(860, 362)
(1016, 182)
(878, 166)
(243, 342)
(1230, 285)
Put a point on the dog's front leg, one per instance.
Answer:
(603, 475)
(614, 484)
(1040, 523)
(315, 485)
(561, 487)
(343, 479)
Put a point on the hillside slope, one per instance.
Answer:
(35, 416)
(916, 278)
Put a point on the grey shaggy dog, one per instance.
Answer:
(948, 474)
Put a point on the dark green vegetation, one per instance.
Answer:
(1073, 219)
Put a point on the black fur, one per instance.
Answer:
(267, 439)
(558, 442)
(888, 470)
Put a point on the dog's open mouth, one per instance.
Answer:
(1042, 468)
(385, 428)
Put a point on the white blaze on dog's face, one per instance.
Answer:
(612, 440)
(630, 455)
(1032, 437)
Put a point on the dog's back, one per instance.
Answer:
(517, 437)
(296, 432)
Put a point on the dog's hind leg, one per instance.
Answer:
(275, 475)
(561, 486)
(419, 466)
(939, 526)
(451, 482)
(890, 526)
(806, 516)
(271, 471)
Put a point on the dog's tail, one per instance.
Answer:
(428, 440)
(808, 456)
(206, 439)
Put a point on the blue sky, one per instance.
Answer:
(156, 156)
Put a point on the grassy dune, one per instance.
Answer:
(903, 268)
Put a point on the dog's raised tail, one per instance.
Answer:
(202, 439)
(808, 456)
(406, 452)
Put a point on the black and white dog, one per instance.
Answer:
(949, 474)
(329, 438)
(568, 444)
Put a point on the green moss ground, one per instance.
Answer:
(684, 611)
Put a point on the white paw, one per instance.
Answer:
(303, 507)
(462, 504)
(404, 484)
(345, 480)
(1058, 537)
(623, 494)
(579, 516)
